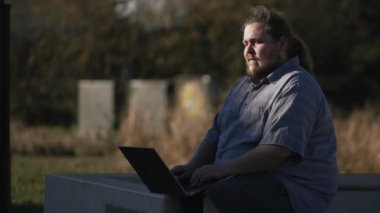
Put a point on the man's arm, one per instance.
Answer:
(262, 158)
(205, 154)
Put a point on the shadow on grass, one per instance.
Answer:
(26, 207)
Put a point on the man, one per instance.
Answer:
(272, 146)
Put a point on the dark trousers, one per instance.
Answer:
(255, 193)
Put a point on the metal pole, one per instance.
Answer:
(5, 156)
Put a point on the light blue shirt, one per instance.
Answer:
(289, 109)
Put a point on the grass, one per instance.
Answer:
(38, 151)
(28, 174)
(358, 136)
(176, 145)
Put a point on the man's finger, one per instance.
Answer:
(178, 170)
(183, 176)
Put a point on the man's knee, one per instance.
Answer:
(251, 193)
(209, 206)
(171, 204)
(186, 204)
(218, 198)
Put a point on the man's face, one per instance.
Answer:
(262, 55)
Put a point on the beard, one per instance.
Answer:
(258, 69)
(256, 74)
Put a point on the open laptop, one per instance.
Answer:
(155, 174)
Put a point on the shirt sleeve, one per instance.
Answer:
(212, 134)
(292, 115)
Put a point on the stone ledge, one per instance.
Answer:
(125, 193)
(359, 182)
(357, 193)
(98, 193)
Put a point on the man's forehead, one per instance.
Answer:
(256, 29)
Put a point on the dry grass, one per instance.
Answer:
(43, 140)
(358, 137)
(359, 141)
(35, 150)
(175, 145)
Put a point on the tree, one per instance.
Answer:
(55, 43)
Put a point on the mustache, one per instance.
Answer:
(252, 58)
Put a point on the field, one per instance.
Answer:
(358, 137)
(28, 174)
(38, 151)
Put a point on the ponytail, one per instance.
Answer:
(298, 48)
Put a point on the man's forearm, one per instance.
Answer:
(205, 154)
(261, 158)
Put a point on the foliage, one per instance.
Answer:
(196, 43)
(58, 41)
(344, 39)
(55, 43)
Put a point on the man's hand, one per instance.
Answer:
(208, 173)
(262, 158)
(183, 172)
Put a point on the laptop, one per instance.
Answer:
(155, 174)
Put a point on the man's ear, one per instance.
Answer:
(283, 44)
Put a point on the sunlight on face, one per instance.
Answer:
(261, 53)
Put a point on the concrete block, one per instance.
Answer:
(357, 193)
(125, 193)
(195, 96)
(98, 193)
(148, 105)
(96, 105)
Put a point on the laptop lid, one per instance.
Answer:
(154, 172)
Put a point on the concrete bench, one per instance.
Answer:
(357, 194)
(98, 193)
(125, 193)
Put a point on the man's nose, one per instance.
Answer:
(251, 49)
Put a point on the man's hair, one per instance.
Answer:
(278, 26)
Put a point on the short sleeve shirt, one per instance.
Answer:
(289, 109)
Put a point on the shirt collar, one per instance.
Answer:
(254, 85)
(277, 73)
(283, 69)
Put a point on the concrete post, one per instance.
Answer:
(96, 106)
